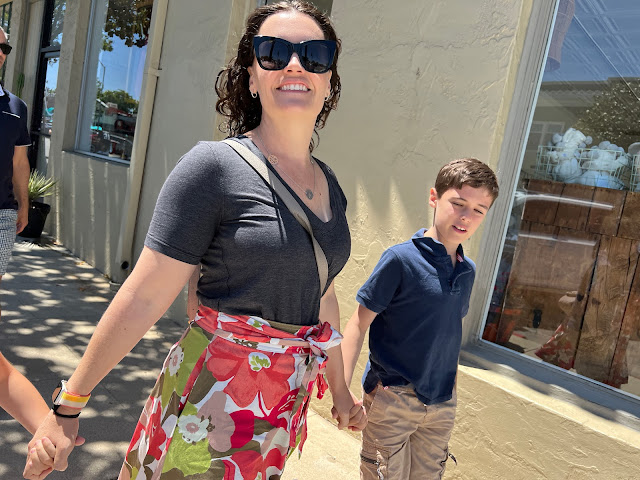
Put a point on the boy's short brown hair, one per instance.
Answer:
(467, 171)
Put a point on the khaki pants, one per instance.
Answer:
(405, 439)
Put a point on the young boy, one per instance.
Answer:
(414, 302)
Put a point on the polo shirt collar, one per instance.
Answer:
(433, 249)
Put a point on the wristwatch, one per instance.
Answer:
(61, 396)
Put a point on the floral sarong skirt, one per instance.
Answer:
(231, 400)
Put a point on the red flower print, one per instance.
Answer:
(156, 433)
(250, 371)
(244, 421)
(252, 465)
(136, 436)
(280, 415)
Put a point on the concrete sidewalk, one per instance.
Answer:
(51, 302)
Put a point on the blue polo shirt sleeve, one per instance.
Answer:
(382, 285)
(469, 279)
(24, 140)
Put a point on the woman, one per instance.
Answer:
(231, 399)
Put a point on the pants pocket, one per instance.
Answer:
(374, 462)
(443, 462)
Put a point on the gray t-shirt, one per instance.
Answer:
(256, 258)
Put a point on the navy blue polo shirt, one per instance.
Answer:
(420, 300)
(13, 133)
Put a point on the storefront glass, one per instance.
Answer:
(54, 34)
(568, 285)
(114, 69)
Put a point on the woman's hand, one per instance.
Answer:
(349, 412)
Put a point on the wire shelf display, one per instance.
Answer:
(588, 166)
(634, 182)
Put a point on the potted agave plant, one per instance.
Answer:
(39, 186)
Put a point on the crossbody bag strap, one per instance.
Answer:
(291, 203)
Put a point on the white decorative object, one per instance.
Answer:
(568, 159)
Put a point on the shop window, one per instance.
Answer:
(46, 83)
(5, 23)
(568, 284)
(114, 67)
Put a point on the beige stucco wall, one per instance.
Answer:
(505, 430)
(86, 210)
(422, 84)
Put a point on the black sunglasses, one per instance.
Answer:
(6, 48)
(272, 53)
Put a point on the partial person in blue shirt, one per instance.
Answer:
(413, 304)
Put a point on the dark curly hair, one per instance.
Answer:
(232, 85)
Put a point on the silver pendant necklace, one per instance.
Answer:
(273, 160)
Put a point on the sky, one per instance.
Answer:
(602, 41)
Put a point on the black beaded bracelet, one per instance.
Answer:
(58, 414)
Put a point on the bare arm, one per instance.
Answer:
(21, 185)
(330, 313)
(20, 398)
(153, 285)
(345, 410)
(145, 296)
(353, 339)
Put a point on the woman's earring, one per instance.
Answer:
(254, 94)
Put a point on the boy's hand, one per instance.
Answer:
(40, 459)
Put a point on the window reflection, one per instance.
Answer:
(49, 97)
(54, 39)
(113, 78)
(568, 285)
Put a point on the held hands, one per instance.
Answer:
(349, 412)
(51, 445)
(40, 459)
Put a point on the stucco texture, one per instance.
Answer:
(505, 430)
(422, 84)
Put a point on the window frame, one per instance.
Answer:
(45, 52)
(83, 100)
(606, 401)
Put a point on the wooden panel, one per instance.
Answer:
(630, 221)
(574, 206)
(540, 205)
(515, 310)
(615, 266)
(619, 372)
(573, 261)
(549, 262)
(604, 216)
